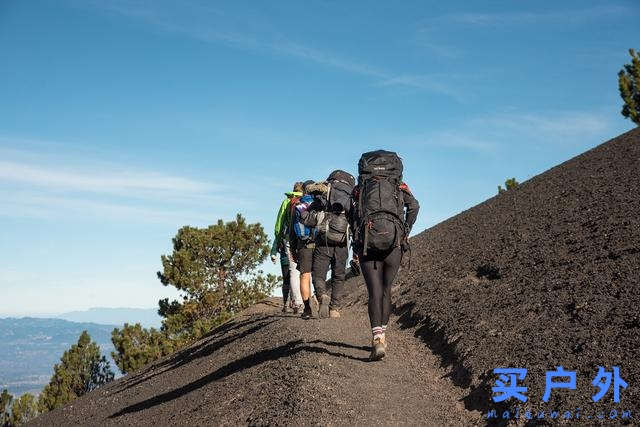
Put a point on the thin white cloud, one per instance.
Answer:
(205, 23)
(554, 126)
(49, 207)
(325, 58)
(442, 50)
(455, 139)
(428, 82)
(82, 187)
(555, 17)
(123, 181)
(495, 132)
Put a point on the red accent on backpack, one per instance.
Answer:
(404, 187)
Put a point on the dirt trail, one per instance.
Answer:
(343, 387)
(269, 368)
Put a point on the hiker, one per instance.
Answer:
(302, 240)
(381, 230)
(328, 214)
(281, 244)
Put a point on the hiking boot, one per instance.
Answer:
(378, 349)
(306, 313)
(334, 313)
(297, 309)
(323, 311)
(315, 306)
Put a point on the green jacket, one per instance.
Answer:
(282, 221)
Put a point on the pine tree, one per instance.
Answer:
(23, 410)
(215, 269)
(5, 404)
(81, 369)
(136, 346)
(629, 86)
(509, 184)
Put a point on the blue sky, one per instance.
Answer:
(121, 121)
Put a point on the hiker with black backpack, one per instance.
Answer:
(302, 240)
(381, 229)
(328, 215)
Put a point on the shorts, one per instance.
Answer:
(305, 260)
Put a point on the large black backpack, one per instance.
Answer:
(334, 226)
(380, 202)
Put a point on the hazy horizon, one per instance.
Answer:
(54, 315)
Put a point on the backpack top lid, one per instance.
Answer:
(342, 184)
(380, 163)
(342, 176)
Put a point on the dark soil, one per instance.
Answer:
(544, 275)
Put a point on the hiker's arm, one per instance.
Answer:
(412, 206)
(274, 249)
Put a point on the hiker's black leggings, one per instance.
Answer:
(286, 282)
(379, 271)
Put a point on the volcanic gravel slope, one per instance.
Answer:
(541, 276)
(268, 368)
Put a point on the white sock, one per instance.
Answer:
(378, 332)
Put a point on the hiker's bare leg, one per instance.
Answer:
(305, 288)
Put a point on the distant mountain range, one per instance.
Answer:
(147, 317)
(29, 347)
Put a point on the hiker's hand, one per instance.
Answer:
(355, 267)
(273, 259)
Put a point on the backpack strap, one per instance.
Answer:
(361, 231)
(292, 209)
(292, 217)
